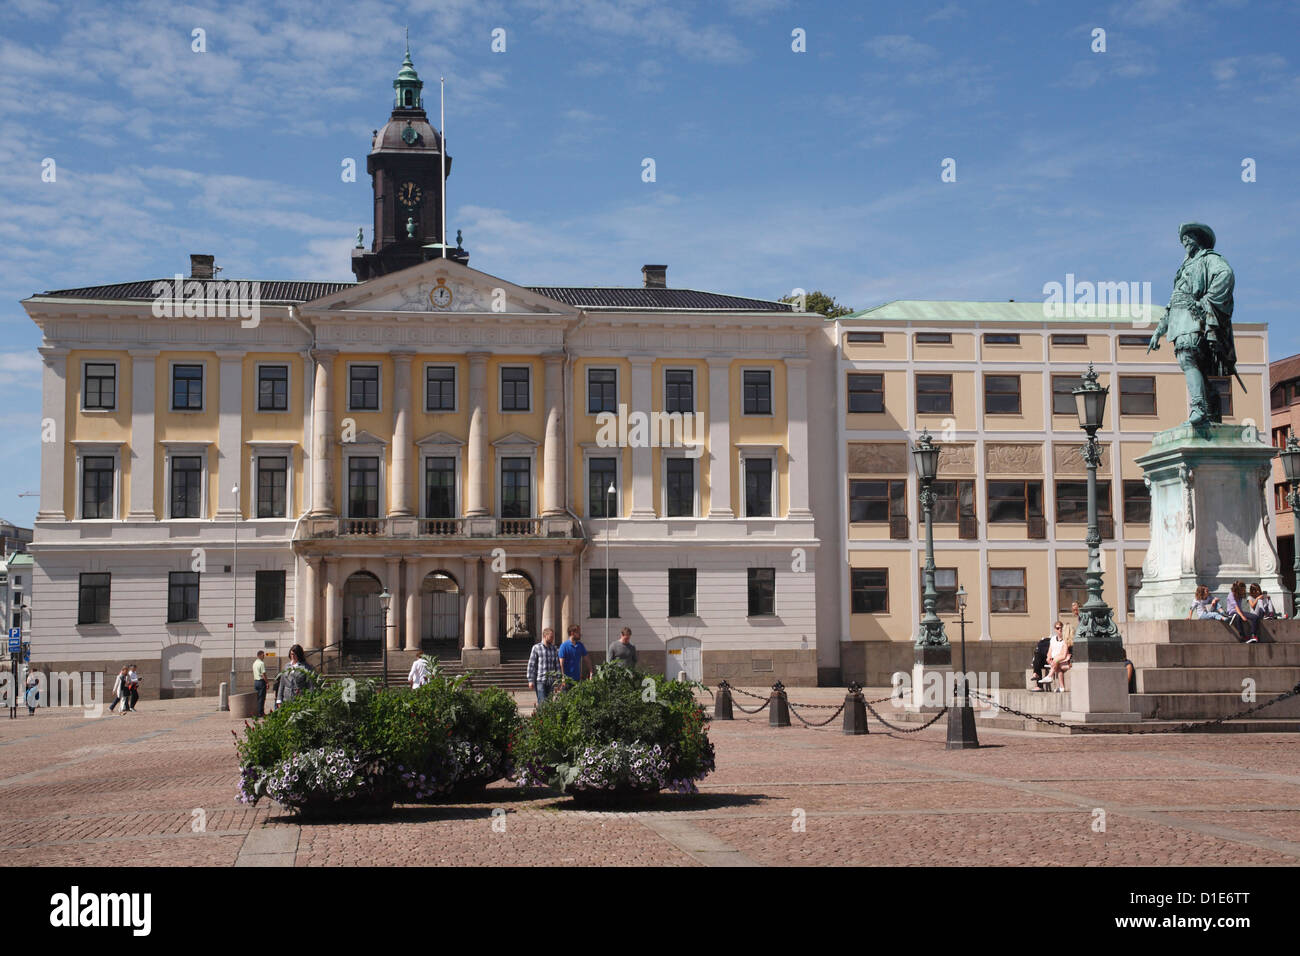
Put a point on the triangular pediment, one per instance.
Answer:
(440, 438)
(364, 437)
(436, 287)
(516, 438)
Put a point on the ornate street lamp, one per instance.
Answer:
(1097, 639)
(961, 716)
(1291, 469)
(385, 601)
(926, 457)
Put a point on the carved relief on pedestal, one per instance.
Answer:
(878, 458)
(1008, 459)
(1267, 554)
(956, 459)
(1068, 459)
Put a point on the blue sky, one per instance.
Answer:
(774, 169)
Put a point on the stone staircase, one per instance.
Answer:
(509, 675)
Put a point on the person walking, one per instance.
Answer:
(543, 666)
(296, 677)
(121, 693)
(133, 680)
(419, 675)
(624, 651)
(573, 654)
(259, 682)
(32, 685)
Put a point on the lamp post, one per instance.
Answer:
(1291, 469)
(234, 589)
(961, 717)
(931, 647)
(610, 497)
(1097, 640)
(385, 602)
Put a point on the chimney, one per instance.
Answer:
(201, 267)
(655, 277)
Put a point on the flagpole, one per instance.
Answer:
(442, 160)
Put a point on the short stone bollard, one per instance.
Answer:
(855, 711)
(779, 707)
(243, 706)
(223, 696)
(722, 703)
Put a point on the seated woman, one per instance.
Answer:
(1240, 616)
(1261, 603)
(1205, 608)
(1059, 655)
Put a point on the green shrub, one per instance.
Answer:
(621, 731)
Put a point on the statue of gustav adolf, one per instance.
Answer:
(1199, 322)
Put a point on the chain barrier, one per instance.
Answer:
(1180, 729)
(756, 710)
(904, 730)
(807, 723)
(737, 690)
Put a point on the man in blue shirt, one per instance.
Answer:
(572, 654)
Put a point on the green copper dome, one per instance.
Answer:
(408, 84)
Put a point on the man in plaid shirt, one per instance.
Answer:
(543, 666)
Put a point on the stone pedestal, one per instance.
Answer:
(1211, 501)
(931, 678)
(1099, 694)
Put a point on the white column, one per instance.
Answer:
(796, 383)
(476, 497)
(490, 609)
(54, 432)
(553, 454)
(413, 581)
(720, 438)
(308, 636)
(400, 497)
(643, 505)
(470, 639)
(230, 432)
(567, 603)
(322, 434)
(394, 584)
(142, 435)
(548, 592)
(333, 602)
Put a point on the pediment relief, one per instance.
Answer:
(437, 287)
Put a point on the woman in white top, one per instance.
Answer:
(1058, 656)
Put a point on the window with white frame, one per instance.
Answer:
(602, 473)
(439, 487)
(272, 486)
(515, 388)
(760, 484)
(602, 390)
(273, 388)
(757, 391)
(363, 486)
(679, 487)
(185, 488)
(440, 388)
(679, 390)
(99, 391)
(187, 387)
(98, 478)
(516, 487)
(363, 388)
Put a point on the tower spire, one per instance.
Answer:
(408, 84)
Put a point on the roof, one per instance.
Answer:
(1284, 369)
(925, 310)
(21, 559)
(585, 297)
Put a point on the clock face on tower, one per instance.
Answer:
(409, 194)
(440, 295)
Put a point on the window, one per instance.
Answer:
(1132, 584)
(440, 487)
(757, 386)
(602, 390)
(934, 338)
(1280, 500)
(1001, 338)
(1069, 338)
(870, 590)
(187, 486)
(363, 487)
(1002, 394)
(758, 488)
(1277, 397)
(1280, 436)
(182, 596)
(934, 393)
(515, 393)
(516, 488)
(1134, 341)
(953, 500)
(273, 388)
(268, 604)
(101, 386)
(866, 393)
(762, 592)
(1137, 502)
(440, 388)
(1137, 394)
(681, 592)
(876, 501)
(679, 390)
(680, 488)
(1072, 501)
(945, 584)
(1007, 591)
(1071, 587)
(363, 388)
(1223, 386)
(597, 590)
(272, 484)
(1014, 501)
(97, 486)
(92, 598)
(866, 338)
(187, 388)
(601, 474)
(1063, 400)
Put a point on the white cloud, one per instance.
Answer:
(901, 48)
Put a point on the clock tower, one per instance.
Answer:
(403, 167)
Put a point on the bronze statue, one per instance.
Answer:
(1199, 321)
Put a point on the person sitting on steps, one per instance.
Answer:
(1205, 608)
(1240, 616)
